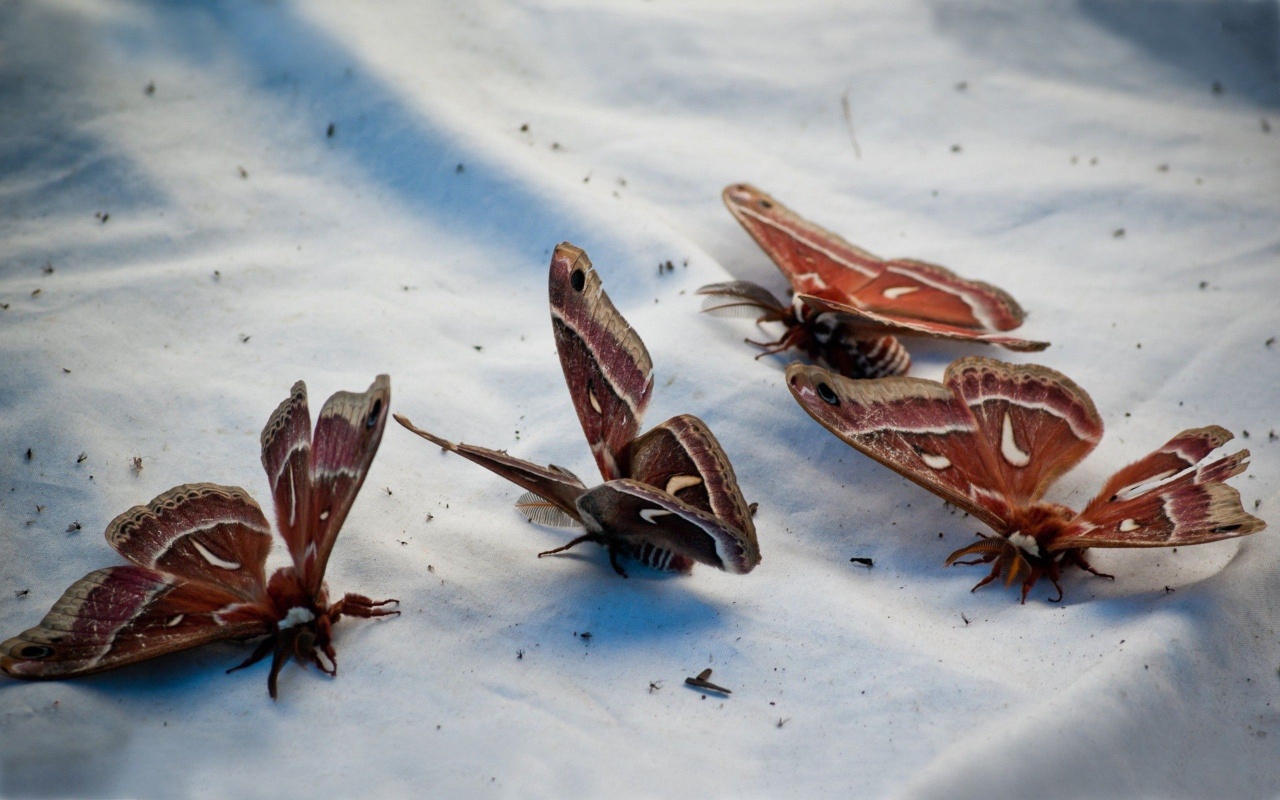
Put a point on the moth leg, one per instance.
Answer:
(259, 653)
(586, 537)
(1031, 581)
(284, 650)
(357, 605)
(1079, 560)
(613, 559)
(995, 573)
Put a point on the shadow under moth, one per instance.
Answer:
(993, 437)
(199, 556)
(850, 307)
(670, 497)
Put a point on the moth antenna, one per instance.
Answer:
(539, 510)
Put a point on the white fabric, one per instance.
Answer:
(1011, 142)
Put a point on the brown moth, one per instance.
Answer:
(670, 497)
(850, 307)
(993, 437)
(199, 556)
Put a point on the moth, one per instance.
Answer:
(850, 307)
(670, 497)
(993, 437)
(199, 554)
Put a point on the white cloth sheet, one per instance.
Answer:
(210, 244)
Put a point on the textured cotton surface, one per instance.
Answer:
(200, 205)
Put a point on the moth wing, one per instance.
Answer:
(121, 615)
(815, 260)
(923, 291)
(640, 515)
(215, 535)
(742, 299)
(1037, 422)
(1192, 507)
(286, 457)
(918, 428)
(683, 458)
(347, 436)
(1179, 453)
(554, 484)
(605, 364)
(868, 321)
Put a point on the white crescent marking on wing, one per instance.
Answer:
(650, 514)
(679, 482)
(1009, 448)
(1128, 525)
(934, 461)
(591, 396)
(211, 558)
(894, 292)
(174, 621)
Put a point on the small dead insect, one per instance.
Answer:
(655, 686)
(1266, 125)
(330, 130)
(150, 89)
(864, 561)
(1218, 88)
(37, 292)
(244, 338)
(701, 682)
(783, 721)
(217, 274)
(430, 517)
(431, 568)
(955, 148)
(47, 269)
(136, 465)
(387, 489)
(39, 508)
(1270, 341)
(586, 636)
(30, 455)
(80, 459)
(66, 371)
(102, 216)
(1118, 233)
(555, 145)
(964, 617)
(519, 655)
(1169, 590)
(459, 169)
(73, 527)
(479, 348)
(22, 593)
